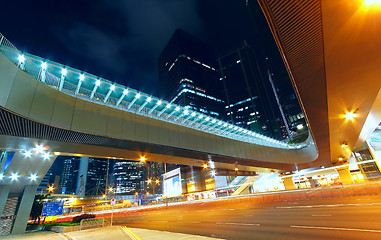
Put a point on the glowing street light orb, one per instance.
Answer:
(149, 181)
(39, 149)
(14, 176)
(350, 115)
(205, 166)
(27, 154)
(157, 181)
(44, 66)
(46, 156)
(371, 2)
(110, 189)
(142, 159)
(33, 177)
(21, 58)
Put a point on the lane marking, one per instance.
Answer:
(322, 215)
(333, 205)
(242, 224)
(131, 233)
(341, 229)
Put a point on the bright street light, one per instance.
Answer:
(33, 177)
(142, 159)
(14, 176)
(157, 181)
(27, 154)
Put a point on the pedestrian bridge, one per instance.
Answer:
(77, 113)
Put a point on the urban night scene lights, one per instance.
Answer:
(248, 119)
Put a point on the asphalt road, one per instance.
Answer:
(332, 218)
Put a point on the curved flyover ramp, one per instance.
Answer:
(78, 113)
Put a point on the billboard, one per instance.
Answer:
(172, 183)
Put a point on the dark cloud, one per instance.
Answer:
(132, 52)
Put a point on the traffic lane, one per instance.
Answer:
(313, 220)
(354, 216)
(239, 231)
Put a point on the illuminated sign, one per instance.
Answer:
(172, 183)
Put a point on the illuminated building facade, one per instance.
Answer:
(251, 101)
(68, 180)
(188, 75)
(127, 176)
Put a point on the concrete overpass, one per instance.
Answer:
(47, 109)
(332, 52)
(330, 48)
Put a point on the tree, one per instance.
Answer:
(35, 213)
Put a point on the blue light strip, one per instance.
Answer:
(71, 82)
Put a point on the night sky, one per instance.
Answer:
(121, 40)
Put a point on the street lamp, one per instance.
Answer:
(149, 181)
(142, 159)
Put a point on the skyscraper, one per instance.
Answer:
(188, 75)
(89, 172)
(127, 176)
(68, 180)
(45, 183)
(251, 102)
(96, 176)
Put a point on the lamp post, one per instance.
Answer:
(149, 181)
(112, 204)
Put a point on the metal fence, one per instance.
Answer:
(91, 223)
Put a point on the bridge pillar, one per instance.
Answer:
(288, 183)
(23, 172)
(4, 192)
(24, 208)
(345, 175)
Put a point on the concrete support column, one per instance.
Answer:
(4, 191)
(345, 175)
(23, 211)
(288, 183)
(82, 176)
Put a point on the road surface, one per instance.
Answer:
(331, 218)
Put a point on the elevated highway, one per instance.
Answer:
(72, 112)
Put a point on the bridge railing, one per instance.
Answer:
(101, 91)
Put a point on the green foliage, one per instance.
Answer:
(64, 224)
(78, 219)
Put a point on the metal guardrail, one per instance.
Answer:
(91, 223)
(101, 91)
